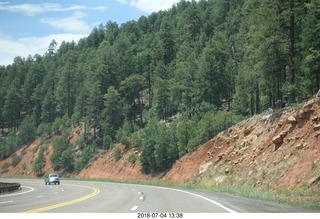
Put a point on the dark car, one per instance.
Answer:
(52, 178)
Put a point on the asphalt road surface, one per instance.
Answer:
(145, 201)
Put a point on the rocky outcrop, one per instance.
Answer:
(279, 149)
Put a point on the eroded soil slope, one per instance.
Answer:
(277, 149)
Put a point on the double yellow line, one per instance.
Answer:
(94, 193)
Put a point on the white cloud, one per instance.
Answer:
(33, 9)
(10, 48)
(73, 23)
(74, 26)
(150, 5)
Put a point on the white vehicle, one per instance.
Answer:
(52, 178)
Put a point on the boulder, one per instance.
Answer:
(203, 168)
(300, 146)
(277, 139)
(308, 105)
(291, 120)
(315, 119)
(314, 180)
(316, 127)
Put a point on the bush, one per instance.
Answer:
(66, 160)
(5, 167)
(107, 142)
(27, 131)
(136, 140)
(39, 163)
(44, 130)
(132, 158)
(86, 156)
(117, 153)
(15, 160)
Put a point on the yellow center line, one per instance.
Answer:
(94, 193)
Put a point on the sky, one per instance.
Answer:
(28, 26)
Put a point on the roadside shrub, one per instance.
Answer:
(117, 154)
(86, 156)
(15, 160)
(136, 140)
(107, 142)
(39, 163)
(5, 167)
(132, 158)
(67, 160)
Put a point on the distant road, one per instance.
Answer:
(103, 197)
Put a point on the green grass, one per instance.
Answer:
(302, 197)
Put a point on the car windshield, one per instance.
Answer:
(53, 176)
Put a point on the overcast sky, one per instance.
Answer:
(27, 27)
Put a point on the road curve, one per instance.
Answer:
(103, 197)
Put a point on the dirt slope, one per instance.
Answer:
(274, 149)
(107, 167)
(278, 149)
(28, 154)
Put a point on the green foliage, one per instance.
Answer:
(15, 160)
(136, 140)
(107, 142)
(132, 158)
(185, 131)
(4, 150)
(62, 156)
(124, 132)
(131, 90)
(147, 158)
(27, 131)
(219, 121)
(191, 133)
(67, 160)
(16, 139)
(5, 167)
(159, 150)
(113, 112)
(12, 106)
(288, 90)
(117, 154)
(86, 156)
(310, 78)
(44, 130)
(38, 164)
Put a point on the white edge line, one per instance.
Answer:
(19, 193)
(6, 202)
(197, 195)
(134, 208)
(208, 199)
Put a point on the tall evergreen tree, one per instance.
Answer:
(131, 90)
(112, 112)
(12, 107)
(310, 47)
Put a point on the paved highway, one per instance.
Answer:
(104, 197)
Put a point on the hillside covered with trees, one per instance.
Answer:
(165, 83)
